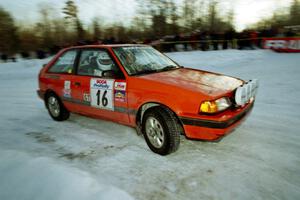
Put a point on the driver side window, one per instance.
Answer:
(95, 62)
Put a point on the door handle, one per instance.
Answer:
(77, 84)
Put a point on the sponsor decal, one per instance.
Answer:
(120, 86)
(67, 89)
(101, 84)
(67, 93)
(67, 85)
(120, 95)
(87, 97)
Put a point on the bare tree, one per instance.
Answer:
(97, 34)
(212, 15)
(295, 13)
(230, 19)
(189, 14)
(44, 27)
(8, 33)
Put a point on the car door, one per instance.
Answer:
(100, 86)
(60, 76)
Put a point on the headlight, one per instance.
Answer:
(215, 106)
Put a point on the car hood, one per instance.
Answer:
(207, 83)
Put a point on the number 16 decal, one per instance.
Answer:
(103, 98)
(102, 93)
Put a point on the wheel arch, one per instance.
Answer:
(151, 105)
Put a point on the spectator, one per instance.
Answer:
(4, 57)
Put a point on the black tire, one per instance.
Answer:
(63, 114)
(171, 130)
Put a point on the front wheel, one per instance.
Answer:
(55, 108)
(161, 130)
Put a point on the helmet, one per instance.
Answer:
(104, 58)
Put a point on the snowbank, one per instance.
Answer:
(85, 158)
(25, 177)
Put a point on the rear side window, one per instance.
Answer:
(65, 63)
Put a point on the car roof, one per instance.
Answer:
(106, 46)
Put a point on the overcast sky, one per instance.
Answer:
(246, 11)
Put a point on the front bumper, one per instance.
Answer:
(213, 129)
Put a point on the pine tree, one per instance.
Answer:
(71, 12)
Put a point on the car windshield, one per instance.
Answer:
(139, 60)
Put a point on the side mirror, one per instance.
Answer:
(108, 73)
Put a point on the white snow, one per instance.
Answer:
(85, 158)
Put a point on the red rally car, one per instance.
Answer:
(138, 86)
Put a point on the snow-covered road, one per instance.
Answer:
(85, 158)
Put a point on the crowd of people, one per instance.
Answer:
(248, 39)
(205, 41)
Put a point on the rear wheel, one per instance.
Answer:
(55, 108)
(161, 130)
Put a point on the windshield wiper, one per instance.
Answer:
(150, 71)
(146, 71)
(169, 67)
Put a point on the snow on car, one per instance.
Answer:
(138, 86)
